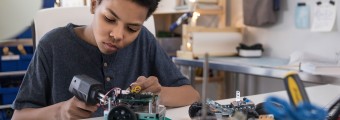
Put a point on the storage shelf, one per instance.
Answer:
(171, 11)
(5, 106)
(12, 73)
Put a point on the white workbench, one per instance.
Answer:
(323, 96)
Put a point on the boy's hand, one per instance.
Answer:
(149, 84)
(76, 109)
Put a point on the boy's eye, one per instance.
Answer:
(110, 20)
(132, 30)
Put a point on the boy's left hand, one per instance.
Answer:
(149, 84)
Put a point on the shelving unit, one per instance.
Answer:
(12, 73)
(212, 7)
(216, 8)
(5, 106)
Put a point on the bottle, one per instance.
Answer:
(302, 16)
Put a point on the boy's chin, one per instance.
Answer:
(107, 52)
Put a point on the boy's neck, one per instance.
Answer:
(86, 34)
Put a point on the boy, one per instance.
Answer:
(115, 49)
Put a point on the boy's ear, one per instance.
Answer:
(93, 6)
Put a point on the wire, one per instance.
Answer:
(102, 103)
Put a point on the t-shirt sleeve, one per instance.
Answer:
(33, 90)
(167, 72)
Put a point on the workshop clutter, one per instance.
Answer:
(255, 50)
(15, 58)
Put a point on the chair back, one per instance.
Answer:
(47, 19)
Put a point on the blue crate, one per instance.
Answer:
(9, 63)
(24, 61)
(16, 62)
(8, 95)
(6, 114)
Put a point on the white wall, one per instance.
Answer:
(281, 39)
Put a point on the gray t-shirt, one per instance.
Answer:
(61, 54)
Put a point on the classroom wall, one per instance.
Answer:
(282, 39)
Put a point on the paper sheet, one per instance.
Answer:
(324, 16)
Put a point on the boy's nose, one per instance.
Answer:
(117, 33)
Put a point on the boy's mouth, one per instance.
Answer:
(110, 46)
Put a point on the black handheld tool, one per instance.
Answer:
(334, 110)
(296, 90)
(86, 89)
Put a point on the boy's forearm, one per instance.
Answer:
(178, 96)
(46, 113)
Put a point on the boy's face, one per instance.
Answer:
(116, 23)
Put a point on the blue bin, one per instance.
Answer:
(6, 114)
(24, 61)
(9, 63)
(8, 95)
(16, 62)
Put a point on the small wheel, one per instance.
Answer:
(195, 109)
(121, 112)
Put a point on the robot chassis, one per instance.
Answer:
(219, 111)
(118, 104)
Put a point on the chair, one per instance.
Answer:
(48, 19)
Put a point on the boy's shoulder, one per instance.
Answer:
(146, 35)
(57, 35)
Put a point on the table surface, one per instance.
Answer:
(262, 66)
(322, 95)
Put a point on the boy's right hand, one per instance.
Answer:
(76, 109)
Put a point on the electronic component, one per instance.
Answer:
(130, 104)
(217, 110)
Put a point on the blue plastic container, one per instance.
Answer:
(8, 95)
(24, 61)
(15, 62)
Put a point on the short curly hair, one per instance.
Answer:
(150, 4)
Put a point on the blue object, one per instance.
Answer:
(15, 62)
(8, 95)
(304, 111)
(6, 114)
(180, 20)
(246, 100)
(302, 16)
(276, 5)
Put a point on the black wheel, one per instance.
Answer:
(194, 109)
(121, 112)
